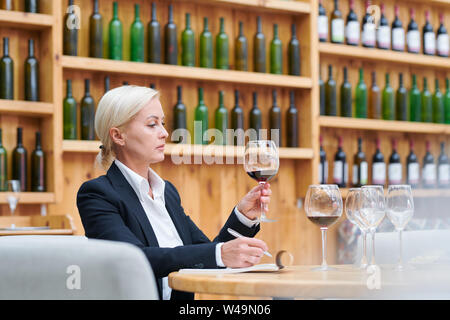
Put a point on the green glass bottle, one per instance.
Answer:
(154, 38)
(188, 44)
(415, 102)
(276, 52)
(115, 35)
(346, 96)
(170, 40)
(374, 99)
(222, 54)
(70, 31)
(221, 121)
(237, 121)
(241, 50)
(201, 119)
(438, 104)
(255, 119)
(6, 73)
(3, 166)
(447, 101)
(388, 101)
(321, 93)
(275, 121)
(292, 123)
(259, 49)
(330, 94)
(401, 100)
(32, 6)
(87, 113)
(96, 33)
(19, 162)
(361, 97)
(427, 103)
(38, 167)
(179, 117)
(294, 53)
(206, 46)
(31, 74)
(70, 114)
(137, 37)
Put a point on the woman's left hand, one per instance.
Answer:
(250, 204)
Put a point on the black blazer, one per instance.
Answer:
(110, 210)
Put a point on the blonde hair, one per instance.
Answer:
(115, 109)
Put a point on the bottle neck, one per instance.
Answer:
(31, 47)
(436, 84)
(170, 14)
(241, 29)
(188, 20)
(200, 96)
(345, 74)
(236, 98)
(19, 137)
(425, 84)
(255, 100)
(387, 80)
(38, 141)
(69, 88)
(361, 75)
(6, 47)
(205, 24)
(400, 80)
(274, 98)
(275, 31)
(259, 23)
(292, 99)
(414, 81)
(96, 6)
(222, 25)
(115, 10)
(136, 12)
(330, 72)
(294, 31)
(221, 94)
(153, 11)
(179, 94)
(87, 89)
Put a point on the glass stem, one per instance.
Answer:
(364, 255)
(372, 231)
(324, 246)
(263, 214)
(400, 260)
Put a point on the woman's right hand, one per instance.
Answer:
(242, 252)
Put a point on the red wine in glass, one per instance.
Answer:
(262, 175)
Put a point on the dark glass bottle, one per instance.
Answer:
(442, 41)
(346, 96)
(292, 123)
(70, 31)
(383, 31)
(170, 40)
(322, 23)
(340, 167)
(276, 52)
(259, 49)
(323, 165)
(412, 167)
(188, 44)
(6, 73)
(294, 53)
(427, 103)
(70, 114)
(115, 35)
(222, 51)
(368, 36)
(447, 101)
(321, 93)
(337, 27)
(352, 26)
(361, 97)
(96, 33)
(415, 102)
(201, 119)
(398, 34)
(32, 6)
(378, 166)
(241, 50)
(395, 169)
(330, 94)
(360, 169)
(255, 119)
(388, 101)
(206, 46)
(87, 113)
(237, 121)
(221, 121)
(401, 100)
(275, 121)
(443, 170)
(438, 104)
(3, 166)
(137, 31)
(154, 38)
(429, 38)
(31, 74)
(38, 167)
(179, 118)
(428, 169)
(19, 162)
(413, 35)
(375, 99)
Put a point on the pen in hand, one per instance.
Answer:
(238, 235)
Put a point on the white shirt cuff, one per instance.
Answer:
(243, 219)
(219, 255)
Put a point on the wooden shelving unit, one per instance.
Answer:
(24, 20)
(26, 108)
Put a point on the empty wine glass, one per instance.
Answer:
(323, 207)
(13, 195)
(261, 162)
(400, 209)
(372, 211)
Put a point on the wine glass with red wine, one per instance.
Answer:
(261, 162)
(323, 206)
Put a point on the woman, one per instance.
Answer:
(131, 203)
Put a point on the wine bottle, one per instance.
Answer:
(428, 169)
(337, 25)
(32, 6)
(413, 35)
(383, 31)
(398, 34)
(137, 37)
(368, 36)
(241, 50)
(415, 102)
(447, 101)
(388, 101)
(395, 166)
(401, 100)
(294, 53)
(170, 40)
(222, 51)
(412, 167)
(429, 38)
(188, 44)
(322, 23)
(442, 41)
(330, 94)
(321, 93)
(352, 27)
(87, 113)
(255, 119)
(154, 38)
(427, 103)
(292, 123)
(38, 167)
(259, 49)
(19, 162)
(275, 120)
(360, 168)
(378, 166)
(31, 74)
(70, 114)
(375, 99)
(323, 165)
(201, 119)
(237, 122)
(221, 120)
(179, 118)
(7, 5)
(96, 33)
(340, 169)
(443, 171)
(361, 97)
(346, 96)
(3, 166)
(115, 35)
(206, 46)
(438, 104)
(70, 31)
(6, 73)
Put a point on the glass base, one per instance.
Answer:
(324, 268)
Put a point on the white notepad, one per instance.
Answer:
(269, 267)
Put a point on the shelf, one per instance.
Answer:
(383, 125)
(25, 20)
(182, 72)
(191, 150)
(31, 197)
(58, 224)
(374, 54)
(417, 193)
(27, 108)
